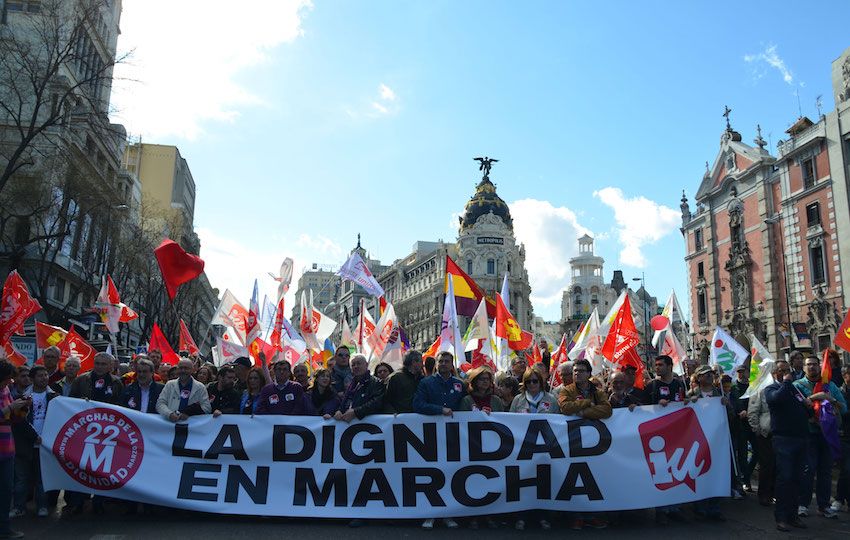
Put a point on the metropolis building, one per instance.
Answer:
(486, 249)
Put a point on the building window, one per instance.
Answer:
(697, 239)
(818, 264)
(700, 270)
(509, 267)
(702, 307)
(491, 266)
(807, 166)
(813, 214)
(469, 267)
(56, 287)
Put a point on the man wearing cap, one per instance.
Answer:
(224, 399)
(708, 508)
(242, 365)
(283, 396)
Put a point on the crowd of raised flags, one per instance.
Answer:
(493, 339)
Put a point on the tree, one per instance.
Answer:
(55, 79)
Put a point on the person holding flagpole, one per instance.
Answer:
(820, 390)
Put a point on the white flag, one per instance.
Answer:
(365, 328)
(478, 327)
(726, 352)
(584, 334)
(761, 366)
(347, 336)
(450, 338)
(232, 313)
(394, 351)
(315, 325)
(356, 270)
(227, 351)
(381, 336)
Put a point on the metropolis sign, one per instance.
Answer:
(490, 240)
(412, 465)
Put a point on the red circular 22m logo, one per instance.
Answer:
(100, 448)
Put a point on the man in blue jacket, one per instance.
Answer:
(440, 393)
(818, 453)
(789, 419)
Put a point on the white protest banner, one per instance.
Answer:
(411, 465)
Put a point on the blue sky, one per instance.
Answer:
(304, 124)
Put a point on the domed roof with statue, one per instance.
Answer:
(485, 200)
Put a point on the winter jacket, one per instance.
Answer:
(547, 405)
(365, 396)
(82, 387)
(788, 414)
(401, 387)
(132, 396)
(434, 393)
(596, 407)
(169, 399)
(758, 414)
(468, 404)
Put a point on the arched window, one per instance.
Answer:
(491, 266)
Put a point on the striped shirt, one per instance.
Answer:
(7, 444)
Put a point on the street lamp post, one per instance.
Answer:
(642, 280)
(774, 220)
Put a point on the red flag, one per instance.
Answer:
(186, 342)
(507, 327)
(842, 335)
(480, 359)
(48, 336)
(382, 305)
(74, 344)
(259, 345)
(127, 314)
(176, 265)
(620, 347)
(560, 355)
(16, 307)
(277, 333)
(433, 349)
(826, 368)
(13, 355)
(159, 343)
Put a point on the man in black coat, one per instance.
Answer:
(143, 393)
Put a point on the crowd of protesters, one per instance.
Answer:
(775, 430)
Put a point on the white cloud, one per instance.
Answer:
(387, 93)
(770, 57)
(231, 264)
(550, 236)
(640, 222)
(380, 108)
(187, 56)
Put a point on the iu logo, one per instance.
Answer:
(676, 449)
(100, 448)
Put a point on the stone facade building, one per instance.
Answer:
(763, 246)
